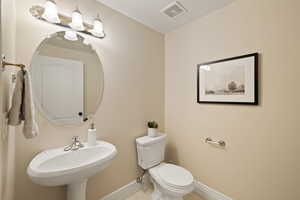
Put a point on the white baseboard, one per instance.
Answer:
(208, 193)
(128, 190)
(123, 192)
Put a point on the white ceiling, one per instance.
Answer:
(148, 11)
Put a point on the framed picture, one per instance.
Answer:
(229, 81)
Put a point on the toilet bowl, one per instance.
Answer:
(171, 182)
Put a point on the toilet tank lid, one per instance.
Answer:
(146, 140)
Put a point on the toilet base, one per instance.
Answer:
(158, 194)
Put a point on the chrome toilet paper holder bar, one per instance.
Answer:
(211, 141)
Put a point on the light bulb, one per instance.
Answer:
(98, 29)
(50, 14)
(77, 21)
(71, 35)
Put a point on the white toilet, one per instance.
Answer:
(171, 182)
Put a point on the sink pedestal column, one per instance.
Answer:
(77, 191)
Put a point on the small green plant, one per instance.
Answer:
(152, 124)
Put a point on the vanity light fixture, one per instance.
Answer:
(71, 35)
(48, 13)
(77, 20)
(98, 30)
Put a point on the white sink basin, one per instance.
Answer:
(58, 167)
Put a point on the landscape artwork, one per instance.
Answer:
(229, 81)
(232, 80)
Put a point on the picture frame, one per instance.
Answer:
(229, 81)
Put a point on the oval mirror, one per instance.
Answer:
(67, 79)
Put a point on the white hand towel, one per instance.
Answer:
(14, 114)
(22, 106)
(30, 128)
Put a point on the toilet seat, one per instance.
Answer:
(172, 176)
(175, 176)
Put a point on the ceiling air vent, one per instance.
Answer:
(174, 9)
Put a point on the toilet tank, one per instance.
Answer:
(151, 150)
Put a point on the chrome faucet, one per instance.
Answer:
(76, 144)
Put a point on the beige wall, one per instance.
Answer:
(261, 161)
(133, 61)
(7, 135)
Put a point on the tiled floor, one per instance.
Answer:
(146, 195)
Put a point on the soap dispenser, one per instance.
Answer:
(92, 135)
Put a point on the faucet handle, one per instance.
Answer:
(75, 138)
(76, 142)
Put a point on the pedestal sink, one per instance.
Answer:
(72, 168)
